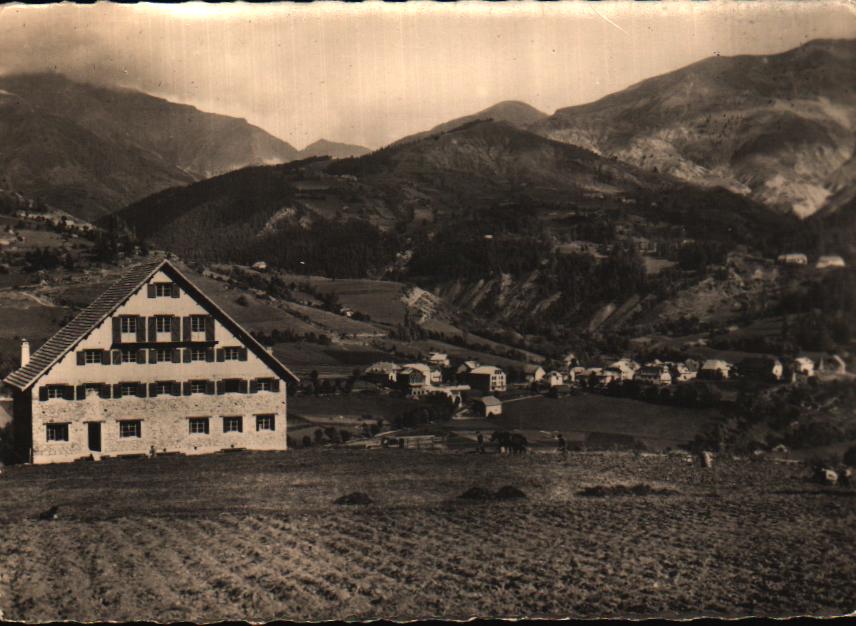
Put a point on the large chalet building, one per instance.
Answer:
(151, 366)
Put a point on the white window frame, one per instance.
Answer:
(197, 383)
(231, 354)
(198, 323)
(55, 392)
(164, 354)
(163, 388)
(135, 433)
(264, 384)
(163, 290)
(270, 418)
(197, 352)
(163, 323)
(91, 357)
(128, 324)
(192, 421)
(123, 389)
(240, 423)
(49, 429)
(130, 353)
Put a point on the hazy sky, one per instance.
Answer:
(371, 73)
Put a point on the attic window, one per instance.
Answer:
(129, 324)
(163, 290)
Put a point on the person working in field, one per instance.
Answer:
(479, 442)
(562, 447)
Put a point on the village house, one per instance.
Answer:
(438, 359)
(682, 372)
(418, 378)
(554, 378)
(761, 368)
(487, 406)
(152, 365)
(714, 369)
(803, 366)
(533, 373)
(487, 378)
(792, 258)
(382, 372)
(654, 374)
(570, 360)
(829, 261)
(627, 368)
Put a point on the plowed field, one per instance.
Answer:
(256, 536)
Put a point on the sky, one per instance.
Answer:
(371, 73)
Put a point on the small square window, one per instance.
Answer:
(265, 422)
(128, 389)
(264, 384)
(130, 428)
(56, 391)
(197, 323)
(128, 324)
(91, 356)
(162, 388)
(197, 386)
(231, 354)
(129, 355)
(197, 354)
(233, 424)
(163, 323)
(198, 425)
(163, 355)
(232, 385)
(56, 432)
(163, 290)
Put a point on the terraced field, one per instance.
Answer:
(256, 536)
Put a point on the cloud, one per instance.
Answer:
(369, 74)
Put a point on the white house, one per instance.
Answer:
(803, 366)
(487, 378)
(438, 359)
(554, 378)
(533, 373)
(829, 261)
(382, 372)
(793, 258)
(626, 367)
(714, 369)
(487, 406)
(151, 365)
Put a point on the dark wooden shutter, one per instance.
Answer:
(43, 393)
(117, 330)
(104, 391)
(153, 390)
(186, 387)
(175, 328)
(141, 328)
(141, 356)
(221, 387)
(209, 328)
(242, 386)
(151, 290)
(141, 390)
(176, 355)
(187, 355)
(117, 357)
(209, 355)
(275, 384)
(176, 292)
(185, 322)
(81, 357)
(221, 356)
(153, 356)
(68, 392)
(153, 329)
(117, 390)
(81, 392)
(105, 357)
(175, 388)
(254, 386)
(209, 387)
(242, 354)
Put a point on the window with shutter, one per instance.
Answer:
(176, 292)
(242, 354)
(176, 329)
(209, 328)
(81, 357)
(141, 356)
(117, 357)
(81, 392)
(153, 356)
(242, 386)
(105, 357)
(153, 329)
(117, 330)
(141, 390)
(152, 293)
(274, 385)
(141, 329)
(186, 328)
(221, 388)
(210, 388)
(221, 356)
(117, 391)
(176, 388)
(187, 355)
(209, 355)
(176, 355)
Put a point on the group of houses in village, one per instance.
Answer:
(800, 259)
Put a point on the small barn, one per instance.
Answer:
(488, 405)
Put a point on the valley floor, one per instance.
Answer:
(256, 536)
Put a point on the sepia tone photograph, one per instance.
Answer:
(415, 311)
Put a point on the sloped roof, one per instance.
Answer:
(104, 305)
(489, 401)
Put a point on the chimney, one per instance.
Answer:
(25, 352)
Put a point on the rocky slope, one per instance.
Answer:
(781, 128)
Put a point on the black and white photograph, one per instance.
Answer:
(406, 311)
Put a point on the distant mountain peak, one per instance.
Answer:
(334, 149)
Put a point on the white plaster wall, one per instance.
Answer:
(164, 417)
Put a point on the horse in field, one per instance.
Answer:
(505, 441)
